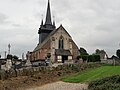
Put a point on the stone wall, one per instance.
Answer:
(21, 72)
(61, 69)
(111, 61)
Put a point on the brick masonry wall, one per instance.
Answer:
(42, 53)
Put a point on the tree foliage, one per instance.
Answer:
(90, 58)
(83, 51)
(15, 57)
(99, 51)
(118, 53)
(9, 56)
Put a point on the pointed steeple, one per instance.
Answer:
(48, 27)
(48, 15)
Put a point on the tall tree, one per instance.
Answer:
(83, 51)
(97, 51)
(118, 53)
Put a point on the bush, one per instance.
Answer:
(118, 53)
(108, 83)
(97, 57)
(90, 58)
(9, 56)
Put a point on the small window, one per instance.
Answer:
(53, 39)
(61, 43)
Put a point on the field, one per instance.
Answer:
(93, 74)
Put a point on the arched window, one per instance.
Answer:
(61, 43)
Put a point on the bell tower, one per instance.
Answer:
(48, 27)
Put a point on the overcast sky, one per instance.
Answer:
(91, 23)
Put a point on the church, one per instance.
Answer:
(54, 43)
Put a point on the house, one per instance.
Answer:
(55, 44)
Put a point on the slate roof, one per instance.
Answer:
(62, 52)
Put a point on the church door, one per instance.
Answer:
(64, 58)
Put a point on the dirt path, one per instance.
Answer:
(61, 86)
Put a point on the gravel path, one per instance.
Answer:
(61, 86)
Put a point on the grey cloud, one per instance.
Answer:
(97, 25)
(92, 24)
(22, 1)
(21, 40)
(3, 18)
(16, 25)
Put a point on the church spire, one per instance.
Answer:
(48, 15)
(48, 27)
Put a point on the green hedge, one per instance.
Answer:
(108, 83)
(90, 58)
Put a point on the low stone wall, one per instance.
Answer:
(61, 69)
(111, 61)
(21, 72)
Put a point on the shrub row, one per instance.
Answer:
(89, 58)
(108, 83)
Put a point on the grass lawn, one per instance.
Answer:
(93, 74)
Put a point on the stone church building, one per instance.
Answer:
(54, 43)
